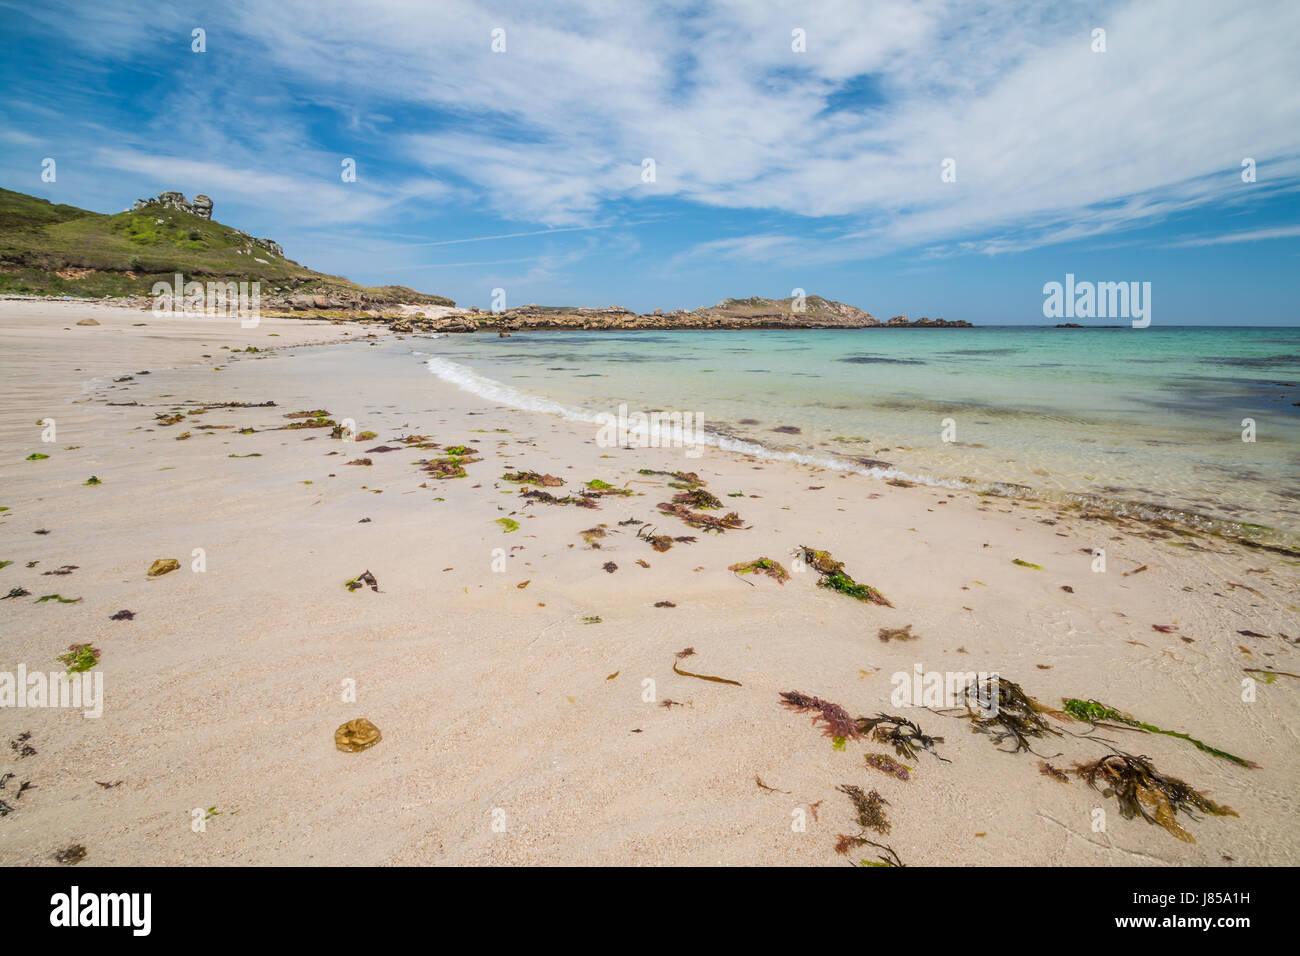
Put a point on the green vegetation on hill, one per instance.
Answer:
(48, 249)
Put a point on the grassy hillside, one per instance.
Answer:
(48, 249)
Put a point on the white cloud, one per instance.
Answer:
(1052, 141)
(1254, 235)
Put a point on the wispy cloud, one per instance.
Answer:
(1254, 235)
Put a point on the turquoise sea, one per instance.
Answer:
(1142, 420)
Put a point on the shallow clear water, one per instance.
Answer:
(1152, 416)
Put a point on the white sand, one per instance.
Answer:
(226, 688)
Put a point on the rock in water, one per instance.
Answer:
(357, 735)
(162, 566)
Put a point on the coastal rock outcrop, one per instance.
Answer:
(812, 312)
(201, 207)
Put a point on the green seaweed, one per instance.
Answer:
(508, 524)
(92, 480)
(1096, 712)
(57, 597)
(599, 488)
(841, 582)
(834, 577)
(79, 658)
(1026, 564)
(37, 456)
(533, 478)
(772, 569)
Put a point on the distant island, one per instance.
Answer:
(48, 249)
(811, 312)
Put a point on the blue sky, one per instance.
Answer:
(774, 169)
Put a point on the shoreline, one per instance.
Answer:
(492, 693)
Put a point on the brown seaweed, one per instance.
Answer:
(887, 634)
(698, 498)
(687, 480)
(716, 680)
(361, 580)
(71, 855)
(1143, 791)
(887, 764)
(1047, 770)
(1013, 716)
(660, 542)
(871, 818)
(905, 736)
(591, 534)
(870, 807)
(533, 478)
(582, 501)
(696, 519)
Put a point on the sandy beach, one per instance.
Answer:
(524, 711)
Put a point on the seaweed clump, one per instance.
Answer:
(450, 465)
(871, 818)
(687, 480)
(903, 735)
(1143, 791)
(533, 478)
(660, 542)
(79, 658)
(835, 720)
(834, 577)
(598, 489)
(870, 807)
(772, 569)
(698, 498)
(1095, 712)
(697, 519)
(887, 764)
(582, 501)
(1000, 708)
